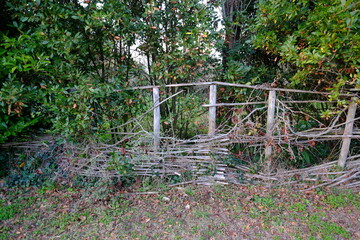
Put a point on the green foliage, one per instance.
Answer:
(8, 211)
(328, 230)
(319, 39)
(47, 186)
(33, 170)
(66, 60)
(236, 70)
(185, 117)
(233, 161)
(242, 62)
(176, 43)
(266, 202)
(178, 39)
(121, 164)
(19, 100)
(62, 65)
(299, 206)
(343, 199)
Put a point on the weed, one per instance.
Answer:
(152, 183)
(4, 232)
(149, 215)
(194, 230)
(238, 209)
(189, 191)
(336, 201)
(295, 196)
(8, 211)
(201, 214)
(34, 170)
(320, 192)
(267, 202)
(118, 202)
(4, 236)
(219, 190)
(204, 220)
(47, 186)
(71, 190)
(255, 212)
(343, 199)
(106, 218)
(277, 221)
(222, 225)
(326, 229)
(299, 207)
(170, 221)
(209, 233)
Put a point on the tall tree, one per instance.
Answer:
(67, 59)
(318, 39)
(236, 15)
(177, 43)
(65, 64)
(241, 61)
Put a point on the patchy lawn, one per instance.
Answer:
(192, 212)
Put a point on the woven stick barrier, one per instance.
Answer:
(202, 161)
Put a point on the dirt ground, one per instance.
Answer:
(190, 212)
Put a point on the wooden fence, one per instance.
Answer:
(346, 137)
(203, 155)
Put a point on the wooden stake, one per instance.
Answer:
(348, 131)
(156, 99)
(212, 110)
(270, 126)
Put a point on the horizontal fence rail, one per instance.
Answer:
(270, 104)
(159, 153)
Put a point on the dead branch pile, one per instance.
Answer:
(198, 161)
(195, 157)
(324, 175)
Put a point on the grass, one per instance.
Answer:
(326, 229)
(194, 212)
(342, 199)
(8, 211)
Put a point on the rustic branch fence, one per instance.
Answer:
(155, 154)
(347, 135)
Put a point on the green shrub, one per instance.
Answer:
(35, 169)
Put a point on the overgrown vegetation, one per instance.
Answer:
(68, 68)
(35, 169)
(315, 41)
(63, 61)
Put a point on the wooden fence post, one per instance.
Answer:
(346, 140)
(270, 126)
(212, 110)
(156, 99)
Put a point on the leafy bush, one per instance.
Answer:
(34, 169)
(19, 100)
(318, 39)
(64, 61)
